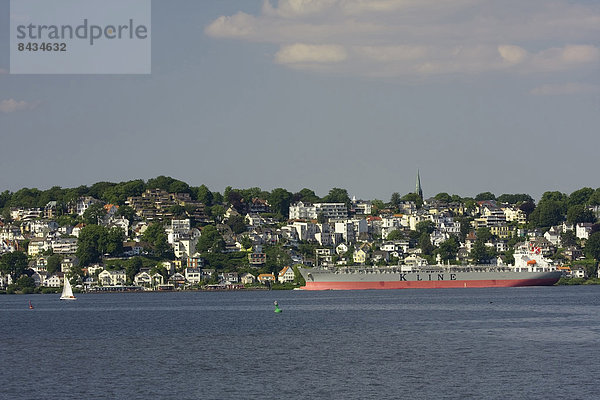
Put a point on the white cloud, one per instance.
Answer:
(416, 38)
(512, 54)
(240, 25)
(11, 105)
(297, 8)
(565, 89)
(306, 53)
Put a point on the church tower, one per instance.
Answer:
(418, 188)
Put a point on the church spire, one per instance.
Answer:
(418, 188)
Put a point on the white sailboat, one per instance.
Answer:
(67, 293)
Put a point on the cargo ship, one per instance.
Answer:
(530, 269)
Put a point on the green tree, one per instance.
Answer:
(376, 206)
(119, 193)
(425, 244)
(479, 253)
(580, 197)
(465, 228)
(217, 212)
(443, 197)
(246, 242)
(395, 200)
(415, 198)
(234, 197)
(156, 237)
(178, 186)
(556, 196)
(547, 213)
(277, 258)
(237, 223)
(66, 220)
(280, 200)
(395, 235)
(306, 196)
(204, 195)
(26, 198)
(514, 198)
(160, 182)
(210, 240)
(114, 241)
(25, 281)
(132, 268)
(53, 263)
(91, 244)
(14, 263)
(298, 279)
(178, 211)
(337, 195)
(579, 213)
(568, 238)
(253, 193)
(484, 234)
(594, 199)
(485, 196)
(592, 246)
(98, 189)
(448, 249)
(425, 227)
(5, 198)
(126, 212)
(528, 207)
(94, 214)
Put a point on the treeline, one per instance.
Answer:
(553, 208)
(117, 193)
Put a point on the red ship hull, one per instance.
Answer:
(428, 284)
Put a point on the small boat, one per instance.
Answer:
(67, 293)
(30, 305)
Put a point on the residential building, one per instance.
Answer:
(286, 275)
(247, 278)
(195, 261)
(64, 246)
(583, 230)
(332, 210)
(112, 278)
(263, 278)
(257, 258)
(193, 275)
(142, 279)
(360, 256)
(301, 210)
(83, 203)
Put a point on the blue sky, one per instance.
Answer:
(478, 95)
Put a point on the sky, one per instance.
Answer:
(477, 95)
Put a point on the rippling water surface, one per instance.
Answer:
(501, 343)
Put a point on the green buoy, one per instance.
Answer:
(277, 309)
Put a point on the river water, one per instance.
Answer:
(500, 343)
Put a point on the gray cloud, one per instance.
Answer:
(12, 105)
(408, 38)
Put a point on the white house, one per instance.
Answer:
(247, 278)
(583, 230)
(142, 279)
(112, 278)
(64, 245)
(302, 210)
(54, 281)
(341, 248)
(37, 246)
(193, 275)
(286, 275)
